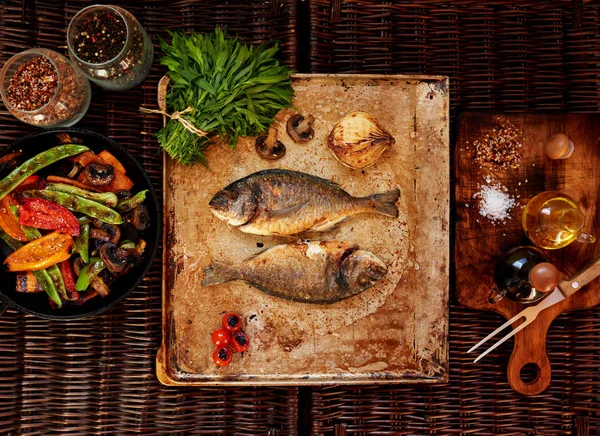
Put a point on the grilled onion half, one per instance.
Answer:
(358, 140)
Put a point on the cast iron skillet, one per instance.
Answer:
(37, 304)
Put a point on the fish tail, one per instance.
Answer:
(385, 203)
(219, 273)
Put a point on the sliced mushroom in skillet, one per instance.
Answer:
(98, 285)
(124, 195)
(104, 230)
(77, 266)
(118, 260)
(99, 174)
(140, 217)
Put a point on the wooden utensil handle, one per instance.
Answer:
(582, 278)
(530, 349)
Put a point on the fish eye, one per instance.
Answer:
(363, 280)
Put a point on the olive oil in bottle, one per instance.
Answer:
(553, 220)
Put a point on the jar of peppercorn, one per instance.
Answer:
(110, 47)
(41, 87)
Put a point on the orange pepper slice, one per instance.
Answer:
(41, 253)
(107, 157)
(8, 220)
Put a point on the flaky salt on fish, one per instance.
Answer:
(320, 272)
(283, 202)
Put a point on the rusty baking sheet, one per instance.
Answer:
(395, 331)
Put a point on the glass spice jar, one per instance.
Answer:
(110, 47)
(40, 87)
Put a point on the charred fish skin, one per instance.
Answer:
(285, 202)
(319, 272)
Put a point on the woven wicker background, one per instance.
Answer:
(500, 55)
(96, 376)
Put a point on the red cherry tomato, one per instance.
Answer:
(239, 342)
(222, 356)
(232, 322)
(221, 337)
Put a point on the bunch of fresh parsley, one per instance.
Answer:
(235, 89)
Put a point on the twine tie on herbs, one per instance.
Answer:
(177, 116)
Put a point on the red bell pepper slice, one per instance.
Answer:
(44, 214)
(69, 279)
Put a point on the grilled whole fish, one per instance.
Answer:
(283, 202)
(320, 272)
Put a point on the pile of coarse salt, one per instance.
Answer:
(494, 202)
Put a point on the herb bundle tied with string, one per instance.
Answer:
(219, 86)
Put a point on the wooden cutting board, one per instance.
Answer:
(395, 331)
(479, 244)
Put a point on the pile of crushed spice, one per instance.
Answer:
(495, 203)
(32, 85)
(501, 149)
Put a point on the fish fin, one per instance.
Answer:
(327, 225)
(219, 273)
(287, 210)
(385, 203)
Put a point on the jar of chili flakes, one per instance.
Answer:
(110, 47)
(40, 87)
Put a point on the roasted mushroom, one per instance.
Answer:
(118, 260)
(124, 195)
(268, 147)
(99, 174)
(77, 266)
(99, 234)
(77, 167)
(300, 128)
(100, 287)
(140, 217)
(107, 232)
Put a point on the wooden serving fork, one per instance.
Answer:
(563, 290)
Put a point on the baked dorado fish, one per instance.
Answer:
(283, 202)
(319, 272)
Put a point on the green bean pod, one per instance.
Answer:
(79, 204)
(36, 163)
(131, 203)
(82, 242)
(47, 284)
(106, 198)
(10, 241)
(88, 273)
(57, 279)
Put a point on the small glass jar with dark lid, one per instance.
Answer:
(40, 87)
(110, 47)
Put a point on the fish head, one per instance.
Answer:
(362, 269)
(235, 205)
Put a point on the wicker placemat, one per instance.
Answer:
(500, 55)
(97, 376)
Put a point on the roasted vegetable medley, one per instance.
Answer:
(73, 221)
